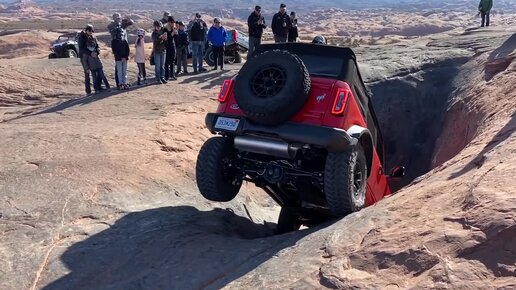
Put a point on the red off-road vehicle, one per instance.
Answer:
(298, 122)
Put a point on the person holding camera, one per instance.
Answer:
(171, 30)
(197, 29)
(159, 51)
(256, 25)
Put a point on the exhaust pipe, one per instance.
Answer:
(265, 146)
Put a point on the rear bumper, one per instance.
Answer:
(332, 139)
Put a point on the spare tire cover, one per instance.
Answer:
(272, 87)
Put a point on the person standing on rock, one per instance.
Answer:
(217, 37)
(121, 50)
(293, 34)
(114, 28)
(95, 63)
(159, 51)
(171, 30)
(197, 29)
(280, 24)
(139, 56)
(83, 54)
(182, 48)
(484, 7)
(256, 25)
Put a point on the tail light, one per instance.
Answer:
(235, 36)
(341, 98)
(225, 90)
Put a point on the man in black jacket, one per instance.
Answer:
(256, 24)
(170, 59)
(280, 24)
(197, 30)
(83, 53)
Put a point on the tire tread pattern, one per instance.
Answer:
(209, 167)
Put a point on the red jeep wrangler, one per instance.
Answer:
(298, 122)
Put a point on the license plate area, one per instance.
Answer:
(227, 124)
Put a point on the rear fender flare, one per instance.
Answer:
(363, 135)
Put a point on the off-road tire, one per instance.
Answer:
(208, 57)
(288, 221)
(282, 96)
(339, 179)
(211, 172)
(238, 57)
(70, 53)
(52, 56)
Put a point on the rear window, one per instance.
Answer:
(327, 66)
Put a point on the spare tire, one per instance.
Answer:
(272, 87)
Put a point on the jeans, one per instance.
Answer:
(86, 70)
(218, 56)
(121, 68)
(254, 42)
(485, 18)
(170, 60)
(181, 59)
(159, 65)
(98, 78)
(280, 39)
(197, 55)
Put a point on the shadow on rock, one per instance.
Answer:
(411, 109)
(171, 248)
(210, 78)
(478, 161)
(500, 59)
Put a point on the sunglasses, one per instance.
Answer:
(217, 22)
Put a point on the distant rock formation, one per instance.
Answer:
(21, 7)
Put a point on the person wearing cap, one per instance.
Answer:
(197, 34)
(164, 20)
(182, 48)
(170, 60)
(280, 24)
(256, 25)
(159, 51)
(217, 37)
(293, 33)
(119, 22)
(114, 28)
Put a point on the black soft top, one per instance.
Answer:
(339, 63)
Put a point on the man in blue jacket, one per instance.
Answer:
(217, 37)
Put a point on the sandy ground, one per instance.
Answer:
(98, 192)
